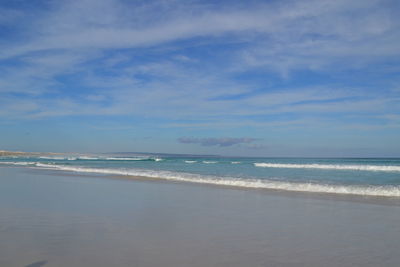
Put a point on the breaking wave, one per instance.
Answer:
(56, 158)
(134, 159)
(73, 158)
(383, 168)
(22, 163)
(384, 191)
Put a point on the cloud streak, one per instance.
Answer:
(204, 65)
(221, 142)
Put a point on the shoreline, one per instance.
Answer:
(378, 200)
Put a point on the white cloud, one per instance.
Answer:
(73, 37)
(296, 29)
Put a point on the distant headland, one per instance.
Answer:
(5, 153)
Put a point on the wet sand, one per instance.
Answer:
(52, 219)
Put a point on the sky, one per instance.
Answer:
(312, 78)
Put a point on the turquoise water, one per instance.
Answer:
(368, 176)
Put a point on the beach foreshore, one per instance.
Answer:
(49, 218)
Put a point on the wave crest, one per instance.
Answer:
(383, 191)
(331, 167)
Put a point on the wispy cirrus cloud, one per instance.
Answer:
(204, 64)
(288, 30)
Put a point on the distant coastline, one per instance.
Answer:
(6, 153)
(14, 153)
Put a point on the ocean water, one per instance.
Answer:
(354, 176)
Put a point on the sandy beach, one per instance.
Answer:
(199, 133)
(51, 219)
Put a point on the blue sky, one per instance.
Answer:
(254, 78)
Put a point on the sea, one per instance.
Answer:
(378, 177)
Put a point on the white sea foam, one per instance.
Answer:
(57, 158)
(134, 159)
(388, 168)
(209, 162)
(190, 161)
(235, 162)
(72, 158)
(386, 191)
(114, 158)
(88, 158)
(18, 163)
(52, 158)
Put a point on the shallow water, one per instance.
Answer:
(48, 219)
(368, 177)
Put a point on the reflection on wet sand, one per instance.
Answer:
(37, 264)
(80, 221)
